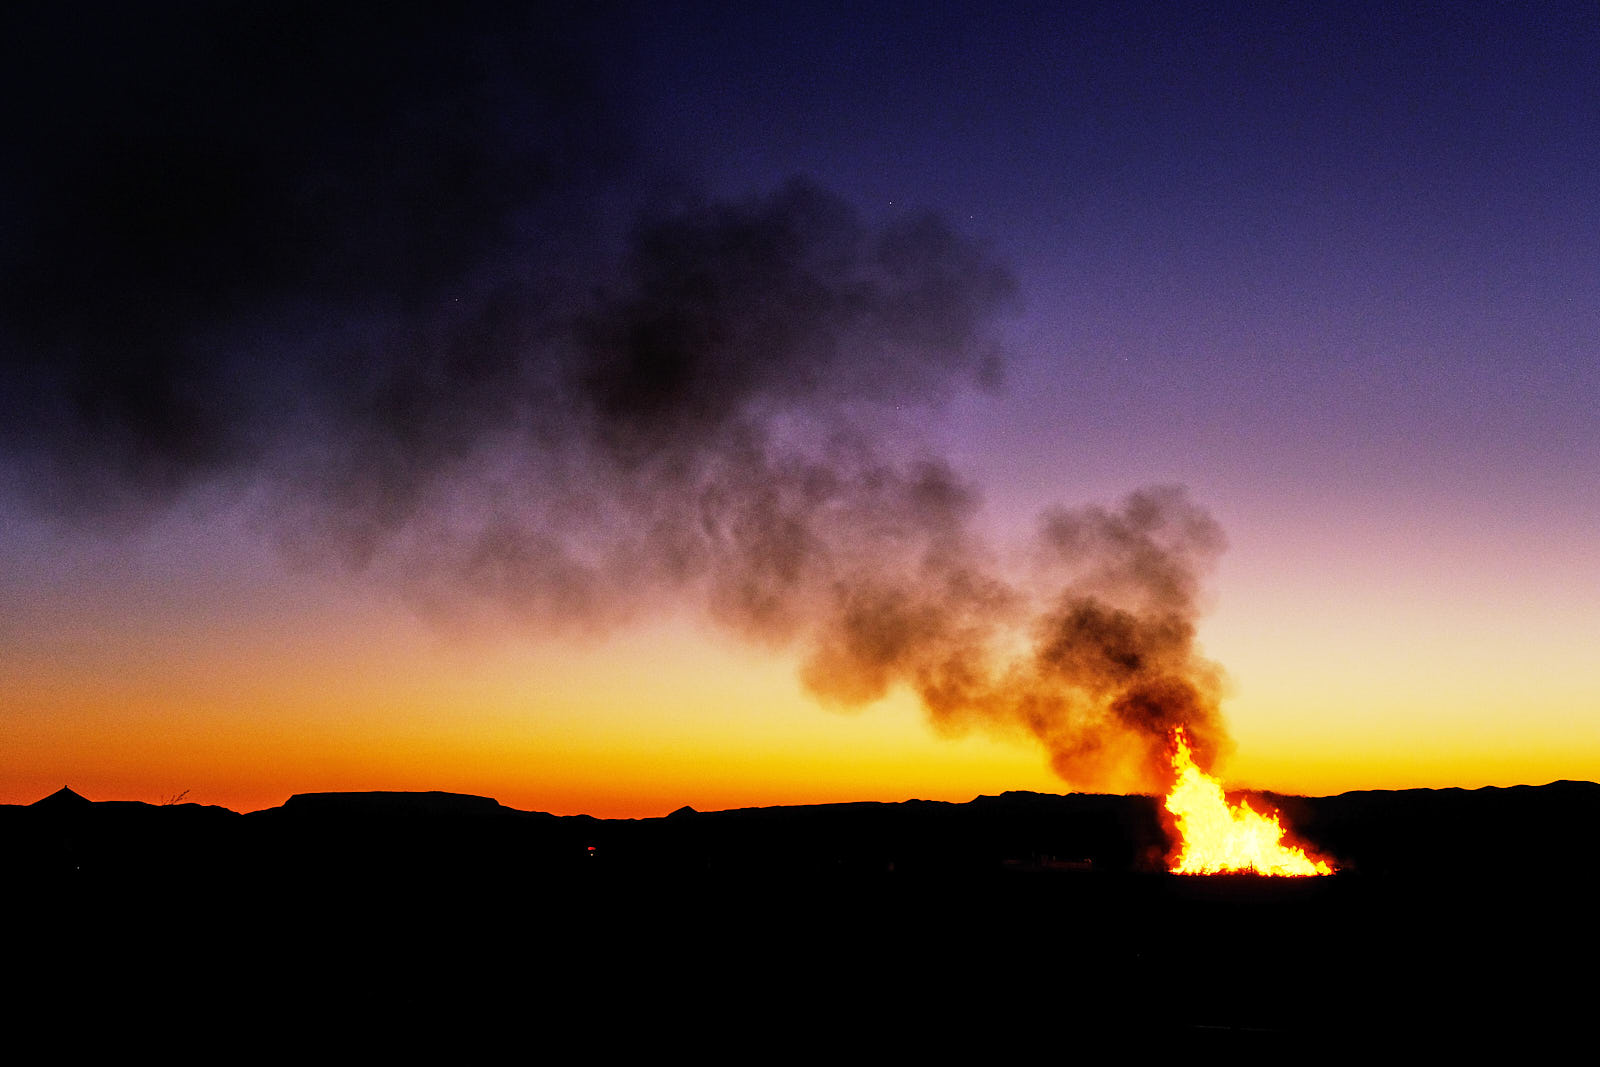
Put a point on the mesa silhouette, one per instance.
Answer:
(1536, 831)
(1025, 919)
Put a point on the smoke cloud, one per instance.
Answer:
(368, 272)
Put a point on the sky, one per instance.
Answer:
(617, 407)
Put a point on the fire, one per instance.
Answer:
(1217, 837)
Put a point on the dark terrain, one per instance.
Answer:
(1010, 925)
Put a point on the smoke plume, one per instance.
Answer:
(368, 272)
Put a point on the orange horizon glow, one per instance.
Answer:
(572, 732)
(603, 766)
(245, 686)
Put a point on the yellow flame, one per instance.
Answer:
(1217, 837)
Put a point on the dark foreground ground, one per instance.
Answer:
(1015, 926)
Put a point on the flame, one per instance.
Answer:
(1218, 837)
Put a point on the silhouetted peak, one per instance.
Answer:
(683, 813)
(62, 799)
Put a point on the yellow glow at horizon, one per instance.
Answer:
(1408, 672)
(126, 682)
(373, 699)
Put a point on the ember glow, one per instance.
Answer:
(1217, 837)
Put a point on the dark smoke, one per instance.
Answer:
(1091, 650)
(212, 213)
(363, 269)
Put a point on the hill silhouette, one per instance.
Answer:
(1541, 830)
(61, 800)
(1019, 922)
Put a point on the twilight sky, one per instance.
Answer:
(637, 405)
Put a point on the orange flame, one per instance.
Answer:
(1218, 837)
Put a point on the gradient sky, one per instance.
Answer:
(1335, 268)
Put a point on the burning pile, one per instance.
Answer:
(1217, 837)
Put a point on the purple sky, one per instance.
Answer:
(1334, 267)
